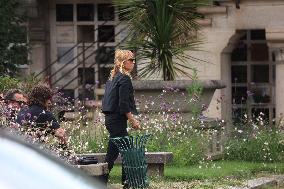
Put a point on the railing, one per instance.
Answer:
(80, 63)
(82, 53)
(64, 54)
(90, 66)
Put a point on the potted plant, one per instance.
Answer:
(161, 32)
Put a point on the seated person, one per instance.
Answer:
(36, 114)
(14, 100)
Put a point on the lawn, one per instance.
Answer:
(210, 174)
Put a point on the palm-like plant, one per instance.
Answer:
(161, 31)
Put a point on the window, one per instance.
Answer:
(85, 12)
(253, 76)
(105, 12)
(239, 53)
(260, 113)
(257, 34)
(260, 94)
(239, 74)
(104, 74)
(67, 74)
(89, 75)
(64, 12)
(65, 55)
(239, 95)
(105, 55)
(259, 52)
(87, 94)
(68, 94)
(85, 34)
(239, 115)
(106, 33)
(260, 73)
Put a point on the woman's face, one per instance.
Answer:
(129, 63)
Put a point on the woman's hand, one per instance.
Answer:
(135, 124)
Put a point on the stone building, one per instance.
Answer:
(243, 45)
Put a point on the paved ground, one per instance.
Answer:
(270, 182)
(167, 185)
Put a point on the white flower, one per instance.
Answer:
(240, 131)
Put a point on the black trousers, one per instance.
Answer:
(116, 125)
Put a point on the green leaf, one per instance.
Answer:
(161, 31)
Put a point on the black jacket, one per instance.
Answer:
(119, 96)
(37, 116)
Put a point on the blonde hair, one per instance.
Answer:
(120, 57)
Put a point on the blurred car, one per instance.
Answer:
(24, 166)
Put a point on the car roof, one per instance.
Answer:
(24, 165)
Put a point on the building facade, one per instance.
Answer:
(243, 45)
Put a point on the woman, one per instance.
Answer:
(118, 104)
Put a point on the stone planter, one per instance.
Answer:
(169, 100)
(171, 96)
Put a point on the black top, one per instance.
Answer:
(119, 96)
(38, 116)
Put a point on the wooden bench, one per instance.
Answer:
(156, 161)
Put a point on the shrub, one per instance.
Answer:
(171, 131)
(7, 82)
(266, 146)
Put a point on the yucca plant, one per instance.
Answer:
(161, 31)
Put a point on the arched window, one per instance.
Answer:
(252, 77)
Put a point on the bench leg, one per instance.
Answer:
(156, 169)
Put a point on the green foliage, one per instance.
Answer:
(7, 83)
(13, 40)
(195, 91)
(161, 31)
(86, 136)
(190, 151)
(25, 84)
(265, 146)
(187, 145)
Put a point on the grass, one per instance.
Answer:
(225, 171)
(221, 169)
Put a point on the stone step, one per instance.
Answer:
(263, 182)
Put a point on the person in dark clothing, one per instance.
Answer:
(118, 104)
(14, 100)
(36, 114)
